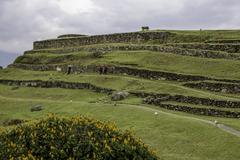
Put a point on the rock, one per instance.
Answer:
(58, 69)
(164, 98)
(98, 54)
(14, 88)
(36, 108)
(224, 90)
(12, 122)
(119, 95)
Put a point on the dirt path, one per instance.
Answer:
(220, 126)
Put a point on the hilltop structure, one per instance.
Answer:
(65, 41)
(145, 28)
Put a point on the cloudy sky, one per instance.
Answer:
(25, 21)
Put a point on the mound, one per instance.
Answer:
(75, 138)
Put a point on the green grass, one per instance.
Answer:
(49, 58)
(211, 34)
(232, 122)
(218, 68)
(173, 137)
(117, 82)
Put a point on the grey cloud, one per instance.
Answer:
(24, 21)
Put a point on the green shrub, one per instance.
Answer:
(98, 54)
(70, 138)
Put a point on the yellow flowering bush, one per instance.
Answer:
(71, 138)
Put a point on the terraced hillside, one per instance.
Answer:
(179, 83)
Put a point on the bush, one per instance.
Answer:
(12, 122)
(73, 138)
(98, 54)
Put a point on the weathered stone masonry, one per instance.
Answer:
(231, 48)
(192, 110)
(143, 73)
(192, 100)
(56, 84)
(97, 39)
(134, 47)
(152, 98)
(216, 87)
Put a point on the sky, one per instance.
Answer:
(25, 21)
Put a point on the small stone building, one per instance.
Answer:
(145, 28)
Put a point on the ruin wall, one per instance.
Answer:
(134, 37)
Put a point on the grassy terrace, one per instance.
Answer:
(172, 136)
(217, 68)
(207, 34)
(117, 82)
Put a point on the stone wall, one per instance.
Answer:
(193, 100)
(71, 35)
(153, 96)
(134, 37)
(150, 98)
(224, 41)
(143, 73)
(215, 87)
(158, 75)
(134, 47)
(53, 67)
(56, 84)
(197, 111)
(231, 48)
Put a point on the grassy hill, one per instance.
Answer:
(191, 79)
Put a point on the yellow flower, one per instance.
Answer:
(125, 141)
(113, 139)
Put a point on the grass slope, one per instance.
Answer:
(116, 82)
(217, 68)
(173, 137)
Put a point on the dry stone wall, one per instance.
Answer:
(133, 37)
(134, 47)
(151, 98)
(197, 111)
(71, 35)
(143, 73)
(215, 87)
(231, 48)
(192, 100)
(56, 84)
(158, 75)
(224, 41)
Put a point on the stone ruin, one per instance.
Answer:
(145, 28)
(71, 36)
(68, 41)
